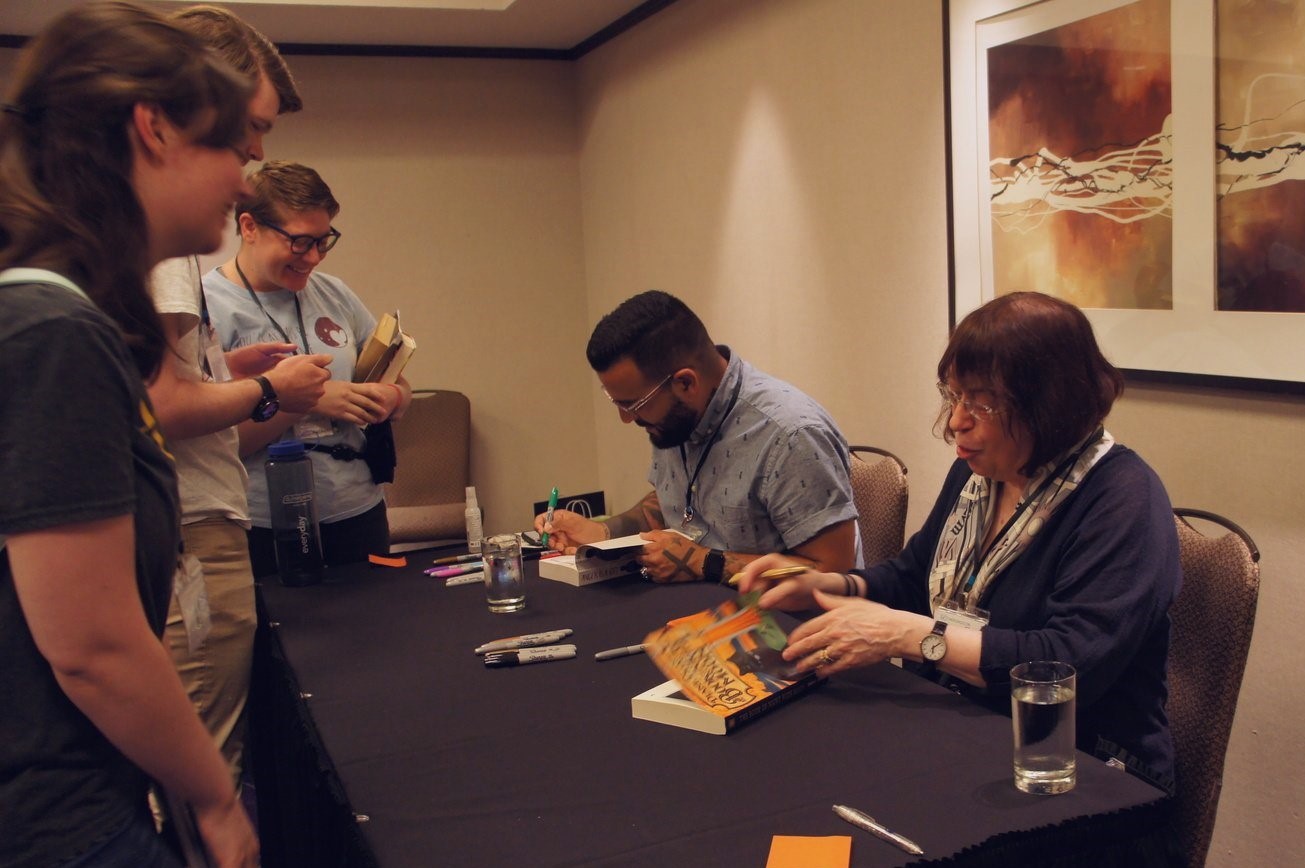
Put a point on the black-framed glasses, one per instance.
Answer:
(301, 244)
(977, 409)
(633, 407)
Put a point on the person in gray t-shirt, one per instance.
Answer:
(742, 464)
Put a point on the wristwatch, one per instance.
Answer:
(713, 566)
(268, 404)
(934, 646)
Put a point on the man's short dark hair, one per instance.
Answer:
(1041, 357)
(655, 330)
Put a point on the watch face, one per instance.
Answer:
(933, 647)
(265, 410)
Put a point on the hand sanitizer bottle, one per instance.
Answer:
(474, 530)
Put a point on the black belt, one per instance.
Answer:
(339, 451)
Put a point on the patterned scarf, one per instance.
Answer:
(953, 575)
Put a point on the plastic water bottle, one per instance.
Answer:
(294, 514)
(474, 529)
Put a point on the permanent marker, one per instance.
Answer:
(863, 820)
(548, 516)
(516, 657)
(527, 641)
(459, 570)
(455, 559)
(613, 653)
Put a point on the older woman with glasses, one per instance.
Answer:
(271, 291)
(1049, 541)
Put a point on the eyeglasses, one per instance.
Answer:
(974, 408)
(301, 244)
(633, 407)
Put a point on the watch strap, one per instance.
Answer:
(713, 566)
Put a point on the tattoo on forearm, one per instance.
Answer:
(684, 571)
(643, 516)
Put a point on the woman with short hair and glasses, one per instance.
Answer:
(271, 291)
(1049, 541)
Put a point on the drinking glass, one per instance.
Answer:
(1042, 708)
(505, 579)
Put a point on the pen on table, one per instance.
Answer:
(777, 573)
(862, 820)
(548, 516)
(518, 656)
(459, 570)
(613, 653)
(455, 559)
(527, 641)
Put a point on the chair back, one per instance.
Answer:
(1212, 621)
(426, 501)
(880, 491)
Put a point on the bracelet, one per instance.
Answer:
(848, 588)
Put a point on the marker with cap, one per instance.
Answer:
(518, 656)
(613, 653)
(530, 640)
(548, 516)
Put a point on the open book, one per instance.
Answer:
(725, 669)
(596, 562)
(385, 352)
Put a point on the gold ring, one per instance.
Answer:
(824, 658)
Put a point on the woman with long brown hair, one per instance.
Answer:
(117, 150)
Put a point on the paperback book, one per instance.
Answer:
(724, 669)
(385, 352)
(596, 562)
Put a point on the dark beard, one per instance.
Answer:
(675, 429)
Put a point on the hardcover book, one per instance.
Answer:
(385, 352)
(724, 667)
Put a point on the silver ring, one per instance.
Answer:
(824, 658)
(644, 572)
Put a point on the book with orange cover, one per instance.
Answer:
(724, 667)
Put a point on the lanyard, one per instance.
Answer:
(299, 314)
(706, 450)
(1057, 475)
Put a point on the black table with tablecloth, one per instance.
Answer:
(379, 738)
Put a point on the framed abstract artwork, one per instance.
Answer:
(1144, 159)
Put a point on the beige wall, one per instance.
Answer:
(779, 164)
(458, 181)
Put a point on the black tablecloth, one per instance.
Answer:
(542, 765)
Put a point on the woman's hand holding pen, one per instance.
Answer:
(795, 593)
(569, 530)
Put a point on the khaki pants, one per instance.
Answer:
(216, 676)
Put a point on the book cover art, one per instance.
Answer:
(727, 660)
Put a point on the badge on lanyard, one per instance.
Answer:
(954, 614)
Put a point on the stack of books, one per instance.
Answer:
(385, 353)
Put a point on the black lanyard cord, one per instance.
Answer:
(706, 450)
(299, 314)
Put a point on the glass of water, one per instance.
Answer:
(1042, 708)
(505, 579)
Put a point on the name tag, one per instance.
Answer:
(954, 615)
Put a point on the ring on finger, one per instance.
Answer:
(824, 658)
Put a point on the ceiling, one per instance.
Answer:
(562, 28)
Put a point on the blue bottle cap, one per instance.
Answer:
(285, 449)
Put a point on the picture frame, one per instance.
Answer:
(1182, 339)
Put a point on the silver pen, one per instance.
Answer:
(862, 820)
(530, 640)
